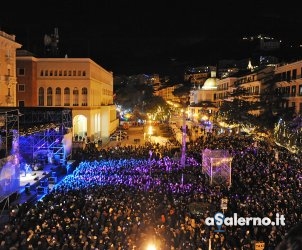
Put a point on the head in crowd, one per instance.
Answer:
(293, 240)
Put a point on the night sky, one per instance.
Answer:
(132, 37)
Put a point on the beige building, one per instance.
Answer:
(289, 84)
(224, 87)
(206, 93)
(203, 100)
(167, 93)
(8, 81)
(77, 83)
(254, 84)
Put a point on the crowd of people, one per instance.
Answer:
(131, 196)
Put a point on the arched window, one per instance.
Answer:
(49, 96)
(66, 97)
(75, 94)
(41, 96)
(84, 97)
(58, 97)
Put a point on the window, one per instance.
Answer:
(75, 94)
(41, 97)
(66, 97)
(58, 97)
(283, 77)
(49, 96)
(288, 76)
(257, 90)
(278, 77)
(21, 87)
(21, 71)
(21, 104)
(84, 97)
(293, 91)
(294, 77)
(300, 90)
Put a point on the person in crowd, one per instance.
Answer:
(293, 239)
(123, 198)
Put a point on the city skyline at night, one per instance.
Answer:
(136, 37)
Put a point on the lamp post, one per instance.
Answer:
(184, 102)
(183, 141)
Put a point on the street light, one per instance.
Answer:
(184, 101)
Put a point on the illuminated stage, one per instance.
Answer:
(35, 176)
(33, 187)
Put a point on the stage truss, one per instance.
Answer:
(9, 152)
(42, 134)
(28, 134)
(217, 164)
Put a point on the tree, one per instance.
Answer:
(237, 110)
(183, 92)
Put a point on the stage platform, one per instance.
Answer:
(38, 183)
(33, 187)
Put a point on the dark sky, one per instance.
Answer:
(131, 37)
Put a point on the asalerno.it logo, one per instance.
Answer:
(219, 220)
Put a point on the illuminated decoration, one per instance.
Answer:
(217, 165)
(289, 134)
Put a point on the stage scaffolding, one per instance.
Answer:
(9, 151)
(25, 134)
(42, 132)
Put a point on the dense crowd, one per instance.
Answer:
(128, 197)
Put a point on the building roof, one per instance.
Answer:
(210, 84)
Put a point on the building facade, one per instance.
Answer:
(288, 79)
(77, 83)
(8, 80)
